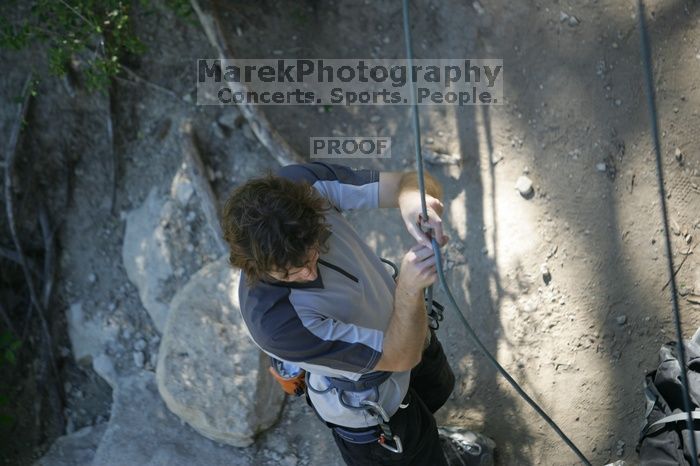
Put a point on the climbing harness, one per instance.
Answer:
(382, 432)
(649, 81)
(292, 380)
(438, 256)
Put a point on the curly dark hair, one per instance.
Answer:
(272, 223)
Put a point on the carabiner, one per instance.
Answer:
(378, 409)
(397, 441)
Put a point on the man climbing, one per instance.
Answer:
(314, 295)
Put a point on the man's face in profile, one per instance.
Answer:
(306, 273)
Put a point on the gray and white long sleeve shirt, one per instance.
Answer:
(335, 325)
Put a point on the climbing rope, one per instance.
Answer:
(653, 116)
(438, 257)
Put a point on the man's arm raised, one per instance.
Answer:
(404, 338)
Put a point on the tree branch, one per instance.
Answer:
(9, 209)
(9, 188)
(138, 78)
(278, 148)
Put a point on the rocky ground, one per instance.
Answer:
(566, 288)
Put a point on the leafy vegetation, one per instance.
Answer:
(98, 31)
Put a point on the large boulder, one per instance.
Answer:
(141, 431)
(209, 372)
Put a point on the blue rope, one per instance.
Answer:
(438, 256)
(649, 81)
(416, 131)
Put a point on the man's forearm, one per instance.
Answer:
(405, 337)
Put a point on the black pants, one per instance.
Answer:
(431, 384)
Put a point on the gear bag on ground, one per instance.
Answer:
(665, 438)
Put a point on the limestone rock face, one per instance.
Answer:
(88, 337)
(146, 256)
(141, 431)
(75, 449)
(166, 241)
(209, 372)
